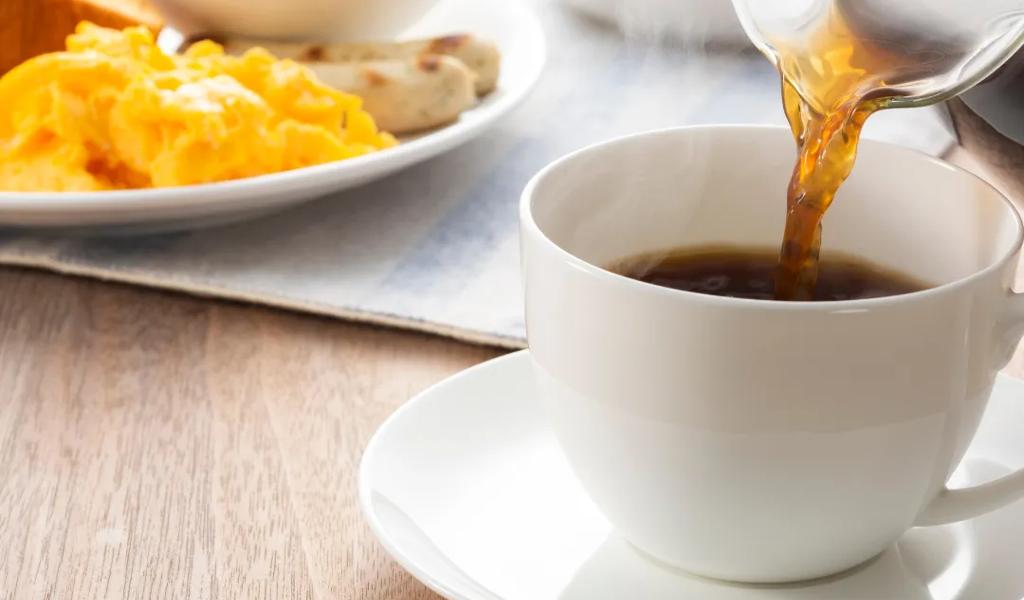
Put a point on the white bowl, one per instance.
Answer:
(321, 20)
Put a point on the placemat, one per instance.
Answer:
(435, 247)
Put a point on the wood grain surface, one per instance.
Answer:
(160, 446)
(32, 27)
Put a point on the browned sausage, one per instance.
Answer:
(407, 94)
(480, 55)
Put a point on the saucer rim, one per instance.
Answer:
(440, 583)
(363, 479)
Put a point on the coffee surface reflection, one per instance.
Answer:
(740, 272)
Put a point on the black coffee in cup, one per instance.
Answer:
(750, 273)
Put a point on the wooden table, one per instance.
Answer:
(161, 446)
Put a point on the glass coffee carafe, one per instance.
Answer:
(966, 54)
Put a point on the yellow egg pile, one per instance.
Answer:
(114, 112)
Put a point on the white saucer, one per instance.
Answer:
(466, 487)
(512, 26)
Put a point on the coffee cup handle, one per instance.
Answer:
(954, 505)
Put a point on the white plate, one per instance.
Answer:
(510, 24)
(466, 487)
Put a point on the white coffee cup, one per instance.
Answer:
(757, 440)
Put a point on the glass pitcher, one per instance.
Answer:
(943, 47)
(965, 53)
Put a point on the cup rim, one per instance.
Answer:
(530, 227)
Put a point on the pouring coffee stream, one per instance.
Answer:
(842, 60)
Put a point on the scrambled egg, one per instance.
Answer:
(115, 112)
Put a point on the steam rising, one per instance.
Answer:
(694, 23)
(676, 55)
(681, 62)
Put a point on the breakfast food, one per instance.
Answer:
(34, 27)
(405, 95)
(407, 86)
(480, 56)
(113, 111)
